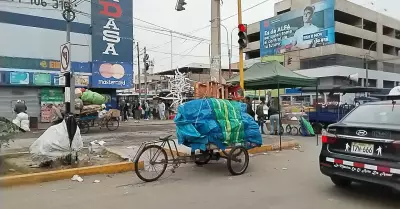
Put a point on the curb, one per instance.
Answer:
(66, 174)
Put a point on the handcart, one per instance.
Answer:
(156, 164)
(91, 119)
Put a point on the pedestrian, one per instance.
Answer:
(273, 115)
(121, 108)
(20, 107)
(136, 110)
(161, 110)
(262, 114)
(126, 111)
(56, 115)
(250, 110)
(146, 109)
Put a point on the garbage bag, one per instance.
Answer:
(93, 98)
(217, 121)
(54, 143)
(78, 104)
(22, 121)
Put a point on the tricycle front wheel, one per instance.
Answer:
(238, 160)
(151, 163)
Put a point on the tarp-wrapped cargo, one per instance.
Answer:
(217, 121)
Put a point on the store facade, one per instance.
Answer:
(101, 53)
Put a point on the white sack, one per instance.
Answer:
(25, 125)
(54, 143)
(22, 116)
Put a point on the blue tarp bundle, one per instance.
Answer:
(220, 122)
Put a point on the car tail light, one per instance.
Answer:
(328, 138)
(396, 145)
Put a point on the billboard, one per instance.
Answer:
(112, 31)
(112, 75)
(310, 27)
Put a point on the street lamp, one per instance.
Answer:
(366, 63)
(229, 49)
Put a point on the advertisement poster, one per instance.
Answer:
(80, 80)
(310, 27)
(116, 76)
(42, 79)
(19, 78)
(112, 31)
(49, 96)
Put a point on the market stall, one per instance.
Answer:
(272, 75)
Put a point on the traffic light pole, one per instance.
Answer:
(241, 71)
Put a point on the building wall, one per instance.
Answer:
(357, 28)
(32, 31)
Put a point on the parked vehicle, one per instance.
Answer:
(364, 146)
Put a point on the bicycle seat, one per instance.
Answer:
(165, 138)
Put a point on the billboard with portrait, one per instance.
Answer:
(310, 27)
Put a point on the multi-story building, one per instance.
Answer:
(32, 33)
(331, 40)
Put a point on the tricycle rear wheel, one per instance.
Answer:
(233, 159)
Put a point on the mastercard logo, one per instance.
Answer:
(108, 70)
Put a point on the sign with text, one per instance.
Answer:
(19, 78)
(310, 27)
(112, 75)
(112, 31)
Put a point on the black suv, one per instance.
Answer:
(364, 146)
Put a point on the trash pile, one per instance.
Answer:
(221, 122)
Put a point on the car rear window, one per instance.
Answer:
(382, 114)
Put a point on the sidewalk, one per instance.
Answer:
(131, 122)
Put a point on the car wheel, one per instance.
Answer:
(341, 182)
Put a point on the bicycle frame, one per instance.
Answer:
(176, 159)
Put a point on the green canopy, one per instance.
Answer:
(272, 75)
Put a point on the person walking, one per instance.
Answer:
(121, 108)
(262, 114)
(249, 107)
(56, 115)
(146, 109)
(273, 115)
(126, 111)
(161, 110)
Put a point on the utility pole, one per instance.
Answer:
(171, 51)
(69, 15)
(138, 61)
(146, 68)
(241, 71)
(215, 68)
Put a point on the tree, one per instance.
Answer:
(7, 131)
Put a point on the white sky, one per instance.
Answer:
(198, 15)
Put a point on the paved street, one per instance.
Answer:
(277, 180)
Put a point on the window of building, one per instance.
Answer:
(388, 84)
(369, 25)
(253, 37)
(348, 40)
(372, 82)
(369, 45)
(335, 59)
(387, 49)
(252, 54)
(283, 11)
(388, 31)
(348, 19)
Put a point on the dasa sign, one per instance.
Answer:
(112, 31)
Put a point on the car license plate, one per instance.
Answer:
(361, 148)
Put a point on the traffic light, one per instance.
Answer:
(243, 41)
(179, 5)
(289, 61)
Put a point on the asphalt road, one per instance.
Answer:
(283, 180)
